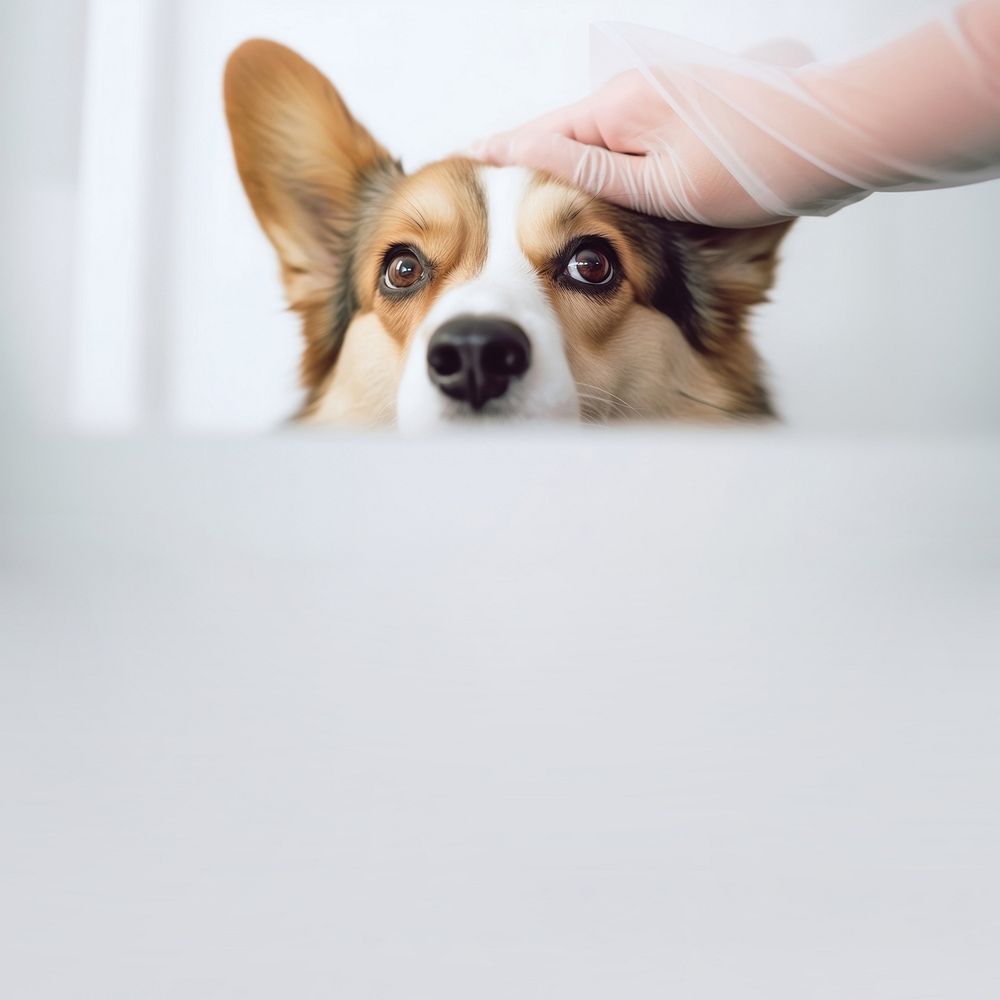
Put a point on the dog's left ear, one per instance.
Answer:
(304, 161)
(729, 270)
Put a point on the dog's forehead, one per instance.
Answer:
(441, 186)
(445, 192)
(460, 200)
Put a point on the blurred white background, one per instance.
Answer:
(566, 712)
(884, 317)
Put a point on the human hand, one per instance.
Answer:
(698, 135)
(625, 144)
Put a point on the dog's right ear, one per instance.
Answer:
(303, 159)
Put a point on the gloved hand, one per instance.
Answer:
(689, 133)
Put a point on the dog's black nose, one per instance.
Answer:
(474, 358)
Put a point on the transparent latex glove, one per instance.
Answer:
(687, 132)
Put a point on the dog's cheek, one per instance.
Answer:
(596, 347)
(590, 319)
(361, 389)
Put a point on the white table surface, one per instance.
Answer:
(554, 714)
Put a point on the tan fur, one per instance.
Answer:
(305, 163)
(441, 210)
(360, 391)
(633, 359)
(301, 156)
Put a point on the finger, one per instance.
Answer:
(575, 121)
(496, 148)
(594, 169)
(553, 121)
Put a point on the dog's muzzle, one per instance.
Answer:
(475, 358)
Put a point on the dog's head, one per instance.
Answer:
(468, 291)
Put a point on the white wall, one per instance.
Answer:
(41, 66)
(884, 316)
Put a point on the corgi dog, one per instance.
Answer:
(466, 292)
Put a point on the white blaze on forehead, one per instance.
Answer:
(507, 288)
(505, 189)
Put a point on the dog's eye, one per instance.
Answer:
(403, 270)
(590, 266)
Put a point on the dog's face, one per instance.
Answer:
(467, 292)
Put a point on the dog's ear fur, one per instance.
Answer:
(304, 161)
(729, 271)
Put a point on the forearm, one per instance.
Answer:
(691, 133)
(922, 110)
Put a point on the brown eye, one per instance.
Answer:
(403, 270)
(590, 266)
